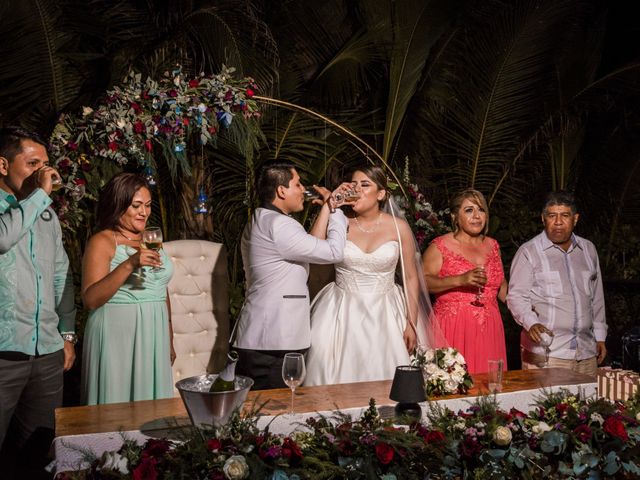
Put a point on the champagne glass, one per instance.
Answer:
(546, 340)
(293, 372)
(310, 194)
(477, 302)
(152, 240)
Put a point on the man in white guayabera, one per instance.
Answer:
(555, 293)
(276, 252)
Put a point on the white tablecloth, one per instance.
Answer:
(74, 452)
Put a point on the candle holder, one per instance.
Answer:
(408, 389)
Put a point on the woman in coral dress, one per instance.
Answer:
(464, 270)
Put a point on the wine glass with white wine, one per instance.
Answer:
(293, 372)
(152, 240)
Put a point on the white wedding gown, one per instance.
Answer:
(357, 321)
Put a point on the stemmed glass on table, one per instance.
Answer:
(293, 372)
(152, 240)
(477, 302)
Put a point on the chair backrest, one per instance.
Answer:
(199, 296)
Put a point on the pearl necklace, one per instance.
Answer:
(370, 230)
(129, 238)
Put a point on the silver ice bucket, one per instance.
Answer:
(211, 408)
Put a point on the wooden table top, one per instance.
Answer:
(138, 415)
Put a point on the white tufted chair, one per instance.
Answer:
(199, 306)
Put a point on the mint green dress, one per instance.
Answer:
(126, 352)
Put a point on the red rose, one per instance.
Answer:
(346, 448)
(185, 121)
(155, 448)
(72, 146)
(562, 408)
(214, 445)
(148, 146)
(138, 127)
(80, 181)
(212, 130)
(614, 427)
(250, 93)
(113, 146)
(582, 433)
(434, 436)
(384, 452)
(136, 108)
(291, 450)
(194, 83)
(146, 469)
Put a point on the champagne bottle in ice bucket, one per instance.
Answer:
(226, 380)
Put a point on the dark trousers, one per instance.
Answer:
(30, 391)
(263, 366)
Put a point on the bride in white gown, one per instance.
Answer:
(360, 329)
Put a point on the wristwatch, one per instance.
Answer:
(70, 337)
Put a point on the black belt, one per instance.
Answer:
(21, 357)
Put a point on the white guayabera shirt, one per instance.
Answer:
(562, 291)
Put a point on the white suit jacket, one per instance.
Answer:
(276, 252)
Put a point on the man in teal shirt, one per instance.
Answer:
(37, 311)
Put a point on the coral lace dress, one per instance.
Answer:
(475, 331)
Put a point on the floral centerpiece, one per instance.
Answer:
(564, 436)
(139, 121)
(445, 371)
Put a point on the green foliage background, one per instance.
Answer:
(514, 98)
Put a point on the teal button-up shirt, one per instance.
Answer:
(36, 286)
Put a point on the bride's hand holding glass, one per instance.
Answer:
(345, 194)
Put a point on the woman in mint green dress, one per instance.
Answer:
(128, 349)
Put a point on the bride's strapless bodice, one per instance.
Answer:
(367, 273)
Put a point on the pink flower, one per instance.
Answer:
(136, 108)
(113, 146)
(148, 146)
(250, 93)
(72, 146)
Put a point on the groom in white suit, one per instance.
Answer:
(276, 252)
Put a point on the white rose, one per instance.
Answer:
(429, 355)
(540, 428)
(460, 359)
(86, 111)
(596, 417)
(502, 436)
(451, 385)
(460, 425)
(115, 462)
(448, 359)
(236, 468)
(431, 369)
